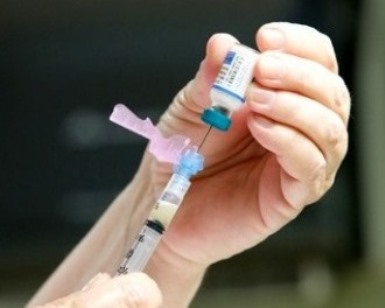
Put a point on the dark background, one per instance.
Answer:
(64, 64)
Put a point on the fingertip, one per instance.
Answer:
(131, 290)
(98, 279)
(270, 37)
(217, 47)
(140, 289)
(298, 39)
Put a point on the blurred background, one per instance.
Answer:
(64, 64)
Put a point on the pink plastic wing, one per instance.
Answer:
(164, 149)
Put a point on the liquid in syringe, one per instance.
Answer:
(163, 212)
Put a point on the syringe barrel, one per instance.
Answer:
(142, 249)
(175, 190)
(168, 203)
(162, 213)
(158, 221)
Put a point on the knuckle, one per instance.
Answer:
(292, 137)
(305, 78)
(329, 181)
(331, 59)
(318, 190)
(317, 171)
(342, 98)
(335, 132)
(317, 178)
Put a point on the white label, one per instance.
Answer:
(236, 72)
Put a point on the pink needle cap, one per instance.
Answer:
(164, 149)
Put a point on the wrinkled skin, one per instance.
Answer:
(135, 290)
(281, 153)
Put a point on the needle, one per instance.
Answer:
(204, 138)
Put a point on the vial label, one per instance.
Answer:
(236, 72)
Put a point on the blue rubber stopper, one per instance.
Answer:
(216, 119)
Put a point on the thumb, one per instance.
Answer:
(216, 49)
(98, 279)
(182, 116)
(135, 290)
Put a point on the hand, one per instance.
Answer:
(281, 153)
(126, 291)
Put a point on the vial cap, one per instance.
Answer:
(216, 118)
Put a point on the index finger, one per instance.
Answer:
(299, 40)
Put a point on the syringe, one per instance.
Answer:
(191, 163)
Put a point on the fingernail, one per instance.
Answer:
(272, 39)
(262, 97)
(271, 67)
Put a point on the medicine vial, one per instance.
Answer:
(229, 89)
